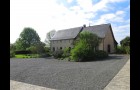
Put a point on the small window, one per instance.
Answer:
(61, 48)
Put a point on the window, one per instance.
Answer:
(61, 48)
(69, 41)
(60, 41)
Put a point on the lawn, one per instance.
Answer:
(26, 56)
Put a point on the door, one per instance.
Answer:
(108, 48)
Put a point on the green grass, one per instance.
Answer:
(26, 56)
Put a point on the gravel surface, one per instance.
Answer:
(64, 75)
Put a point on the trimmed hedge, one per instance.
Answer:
(23, 52)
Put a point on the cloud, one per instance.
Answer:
(69, 1)
(46, 15)
(118, 16)
(86, 5)
(120, 32)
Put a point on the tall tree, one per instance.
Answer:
(49, 36)
(28, 37)
(125, 42)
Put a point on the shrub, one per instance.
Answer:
(66, 52)
(82, 52)
(58, 53)
(127, 50)
(120, 50)
(100, 54)
(23, 52)
(33, 49)
(12, 54)
(44, 55)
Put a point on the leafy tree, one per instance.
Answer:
(40, 48)
(125, 42)
(12, 47)
(49, 36)
(85, 47)
(20, 45)
(12, 50)
(28, 37)
(37, 49)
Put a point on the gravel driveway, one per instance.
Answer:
(64, 75)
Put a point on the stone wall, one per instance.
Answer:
(109, 41)
(58, 44)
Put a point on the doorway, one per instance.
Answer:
(108, 48)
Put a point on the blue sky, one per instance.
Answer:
(46, 15)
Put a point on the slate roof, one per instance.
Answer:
(99, 30)
(71, 33)
(67, 33)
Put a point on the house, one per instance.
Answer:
(65, 38)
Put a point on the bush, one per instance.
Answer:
(127, 50)
(100, 54)
(120, 50)
(44, 55)
(23, 52)
(58, 53)
(33, 49)
(12, 54)
(66, 52)
(82, 52)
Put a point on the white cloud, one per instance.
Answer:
(45, 15)
(121, 31)
(119, 12)
(118, 16)
(85, 4)
(69, 1)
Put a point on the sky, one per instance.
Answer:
(46, 15)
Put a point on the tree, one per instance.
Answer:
(12, 47)
(28, 37)
(85, 47)
(37, 49)
(19, 44)
(125, 44)
(49, 36)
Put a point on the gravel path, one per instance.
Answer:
(63, 75)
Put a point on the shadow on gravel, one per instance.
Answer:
(110, 57)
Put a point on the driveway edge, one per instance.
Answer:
(122, 80)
